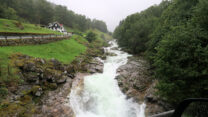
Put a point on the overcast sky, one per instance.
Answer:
(110, 11)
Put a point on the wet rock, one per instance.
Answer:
(42, 61)
(99, 68)
(37, 91)
(135, 81)
(19, 63)
(53, 86)
(13, 89)
(56, 64)
(50, 78)
(31, 77)
(62, 80)
(30, 67)
(71, 76)
(115, 48)
(150, 97)
(95, 66)
(103, 57)
(110, 54)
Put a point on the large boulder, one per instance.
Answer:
(95, 66)
(56, 64)
(62, 80)
(29, 67)
(31, 77)
(37, 91)
(136, 82)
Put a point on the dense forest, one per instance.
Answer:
(173, 36)
(43, 12)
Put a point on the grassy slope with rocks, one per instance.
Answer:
(73, 55)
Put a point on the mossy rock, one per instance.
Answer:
(52, 86)
(36, 91)
(19, 63)
(26, 99)
(3, 92)
(16, 110)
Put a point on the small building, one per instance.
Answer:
(57, 27)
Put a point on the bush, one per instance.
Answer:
(91, 36)
(3, 92)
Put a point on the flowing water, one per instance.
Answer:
(100, 95)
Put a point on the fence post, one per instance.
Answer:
(6, 40)
(0, 71)
(9, 71)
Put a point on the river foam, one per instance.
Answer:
(100, 95)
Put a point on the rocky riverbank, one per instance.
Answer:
(42, 86)
(56, 103)
(136, 82)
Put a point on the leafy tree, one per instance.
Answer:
(174, 37)
(100, 25)
(181, 65)
(177, 13)
(134, 32)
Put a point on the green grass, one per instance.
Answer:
(64, 51)
(10, 26)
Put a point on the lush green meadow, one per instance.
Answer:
(64, 51)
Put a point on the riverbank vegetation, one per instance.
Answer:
(173, 37)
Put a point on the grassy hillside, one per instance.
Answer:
(13, 26)
(64, 51)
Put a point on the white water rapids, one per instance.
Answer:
(100, 96)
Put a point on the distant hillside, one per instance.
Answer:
(44, 12)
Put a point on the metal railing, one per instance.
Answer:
(164, 114)
(31, 39)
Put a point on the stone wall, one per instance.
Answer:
(31, 40)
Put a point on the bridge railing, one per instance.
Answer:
(164, 114)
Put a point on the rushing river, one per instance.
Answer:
(100, 95)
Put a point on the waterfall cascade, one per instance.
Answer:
(100, 95)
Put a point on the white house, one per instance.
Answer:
(57, 27)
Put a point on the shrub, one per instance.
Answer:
(91, 36)
(3, 92)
